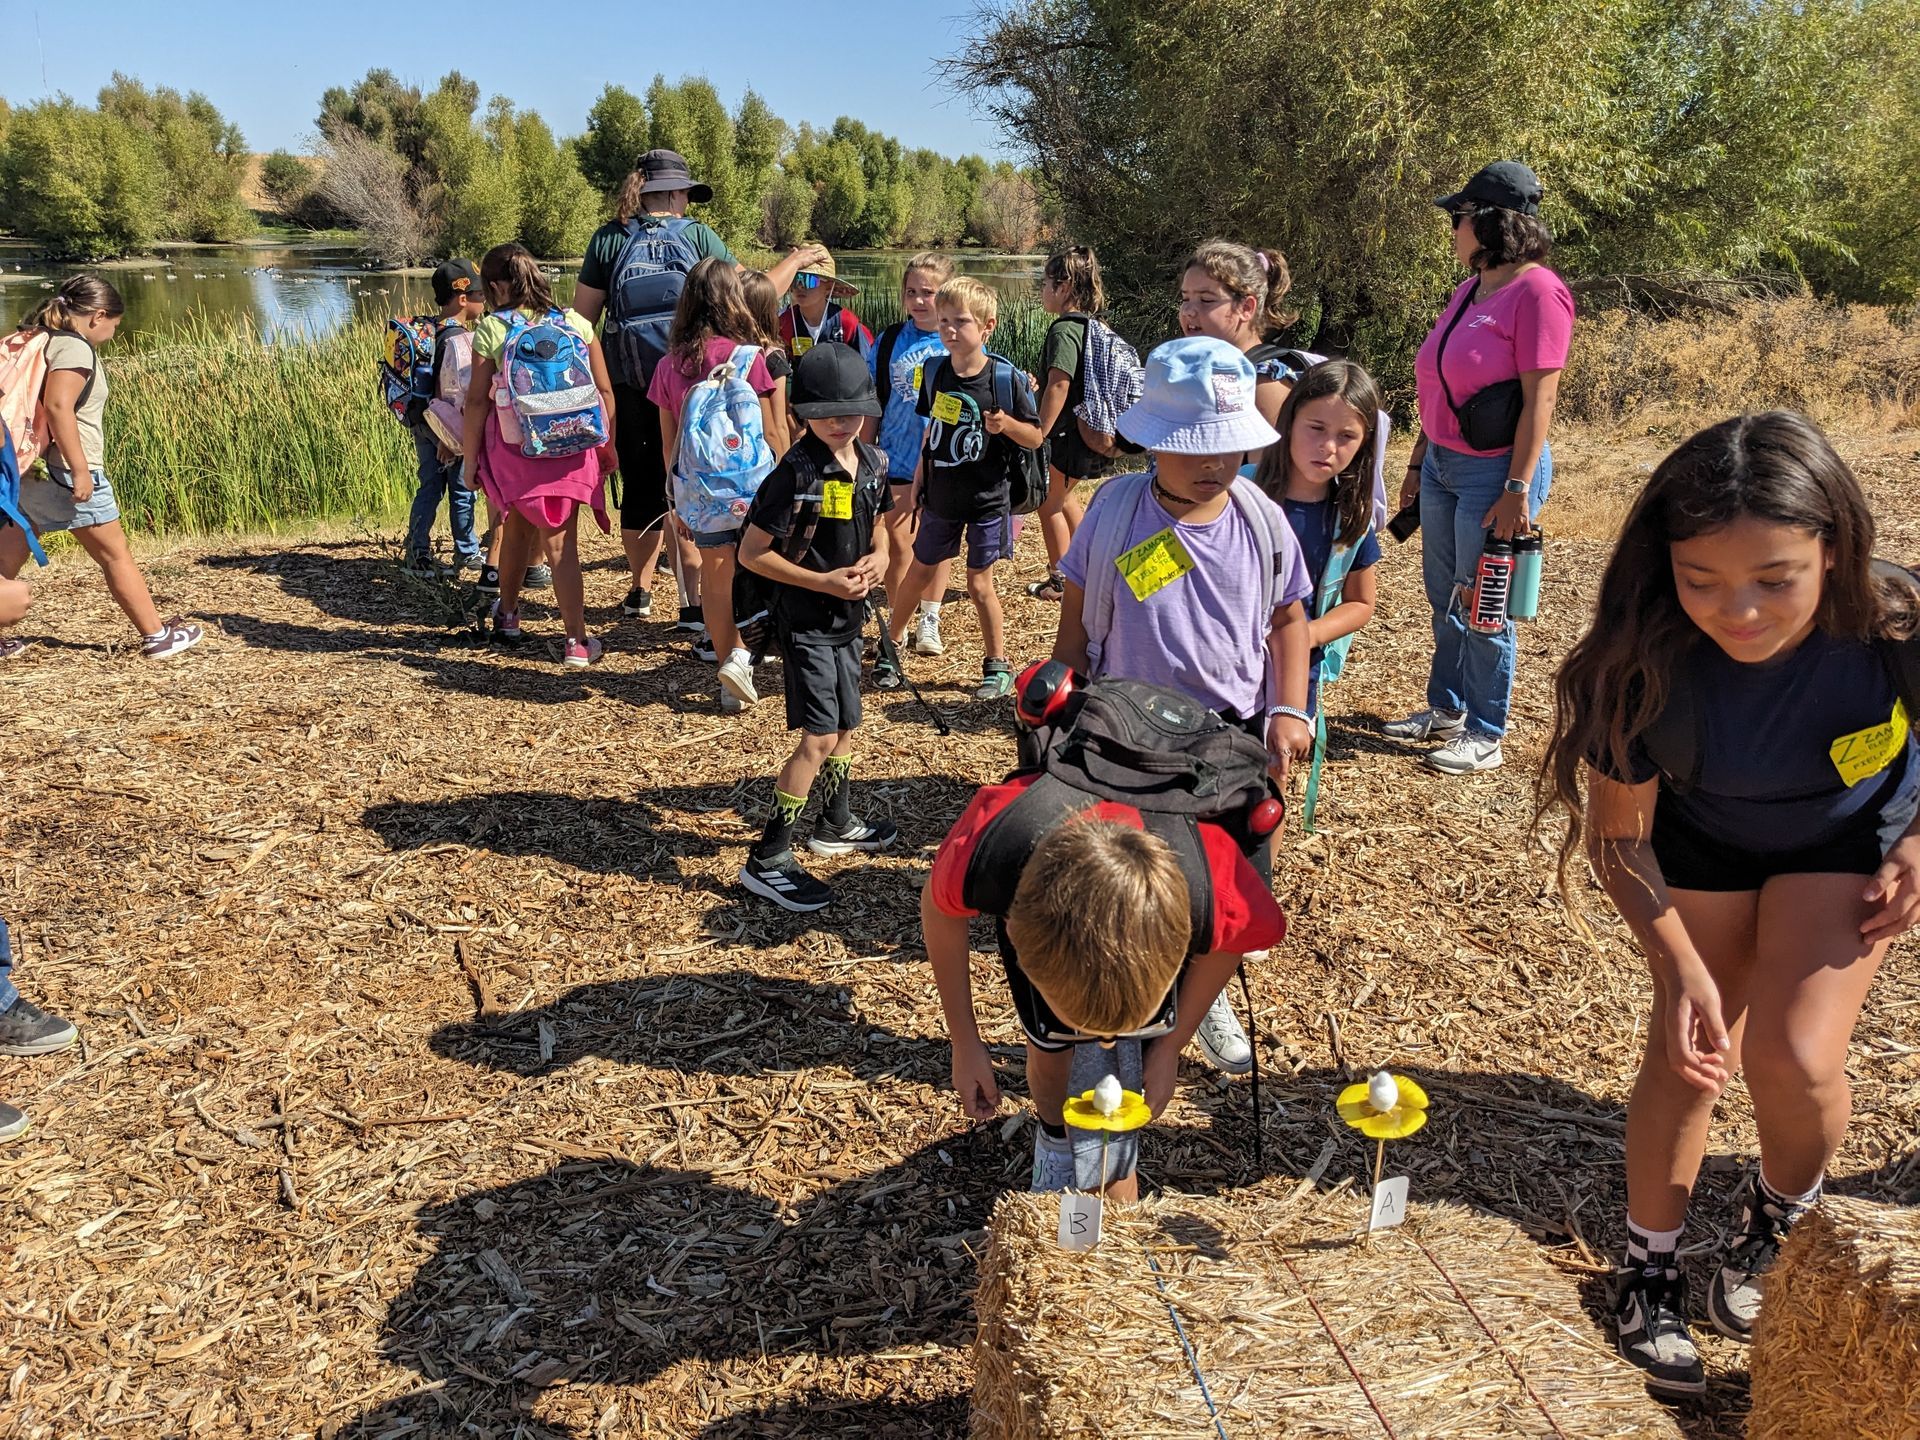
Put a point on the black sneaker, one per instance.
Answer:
(26, 1029)
(886, 674)
(489, 581)
(539, 577)
(1650, 1331)
(703, 647)
(421, 565)
(691, 618)
(782, 881)
(13, 1123)
(857, 834)
(638, 605)
(1733, 1300)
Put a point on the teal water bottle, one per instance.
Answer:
(1523, 600)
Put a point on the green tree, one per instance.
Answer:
(476, 196)
(688, 117)
(787, 212)
(81, 183)
(616, 136)
(382, 109)
(840, 186)
(559, 208)
(758, 138)
(202, 157)
(286, 179)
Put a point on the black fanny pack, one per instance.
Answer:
(1490, 418)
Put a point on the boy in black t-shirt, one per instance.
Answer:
(977, 406)
(814, 531)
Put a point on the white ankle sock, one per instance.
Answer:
(1791, 1202)
(742, 654)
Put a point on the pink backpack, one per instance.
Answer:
(23, 379)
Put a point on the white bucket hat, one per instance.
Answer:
(1198, 400)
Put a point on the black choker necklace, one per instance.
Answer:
(1167, 497)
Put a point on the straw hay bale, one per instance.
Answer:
(1082, 1344)
(1837, 1348)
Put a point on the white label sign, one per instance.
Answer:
(1079, 1221)
(1389, 1204)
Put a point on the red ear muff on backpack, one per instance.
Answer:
(1042, 692)
(1265, 818)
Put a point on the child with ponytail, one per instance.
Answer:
(1236, 293)
(539, 496)
(1731, 743)
(1070, 291)
(69, 327)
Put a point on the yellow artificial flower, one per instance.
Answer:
(1406, 1117)
(1081, 1113)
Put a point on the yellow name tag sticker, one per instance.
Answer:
(1868, 752)
(946, 408)
(801, 344)
(837, 500)
(1155, 563)
(919, 377)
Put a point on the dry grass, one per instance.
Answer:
(1855, 368)
(1837, 1351)
(437, 1079)
(1451, 1327)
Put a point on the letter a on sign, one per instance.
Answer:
(1389, 1204)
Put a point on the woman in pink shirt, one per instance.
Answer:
(1487, 377)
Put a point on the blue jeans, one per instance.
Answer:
(7, 993)
(437, 479)
(1471, 672)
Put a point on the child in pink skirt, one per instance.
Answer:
(540, 496)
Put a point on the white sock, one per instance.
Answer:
(743, 655)
(1650, 1248)
(159, 634)
(931, 607)
(1791, 1202)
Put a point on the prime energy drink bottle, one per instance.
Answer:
(1492, 583)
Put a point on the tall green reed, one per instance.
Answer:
(212, 428)
(1019, 335)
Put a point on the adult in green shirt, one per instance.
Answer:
(660, 185)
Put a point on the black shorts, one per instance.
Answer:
(1068, 453)
(643, 458)
(1692, 859)
(823, 684)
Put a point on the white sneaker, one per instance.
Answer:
(1222, 1040)
(1426, 725)
(1466, 754)
(736, 678)
(926, 634)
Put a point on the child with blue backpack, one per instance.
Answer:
(899, 363)
(715, 396)
(1071, 292)
(979, 408)
(445, 367)
(538, 417)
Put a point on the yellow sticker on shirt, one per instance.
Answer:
(946, 408)
(1868, 752)
(801, 344)
(836, 502)
(1155, 563)
(919, 377)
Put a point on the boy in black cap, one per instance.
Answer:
(462, 301)
(813, 531)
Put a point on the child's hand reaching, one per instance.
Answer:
(973, 1079)
(995, 421)
(868, 567)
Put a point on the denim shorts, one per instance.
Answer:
(50, 506)
(715, 539)
(989, 541)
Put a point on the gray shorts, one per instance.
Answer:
(49, 504)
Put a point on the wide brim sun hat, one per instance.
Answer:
(1197, 400)
(837, 288)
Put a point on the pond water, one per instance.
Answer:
(287, 290)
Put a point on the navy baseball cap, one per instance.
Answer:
(456, 277)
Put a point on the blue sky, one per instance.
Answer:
(265, 64)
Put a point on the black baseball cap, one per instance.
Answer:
(667, 170)
(1505, 184)
(832, 379)
(456, 277)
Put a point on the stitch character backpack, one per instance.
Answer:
(406, 365)
(549, 384)
(724, 453)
